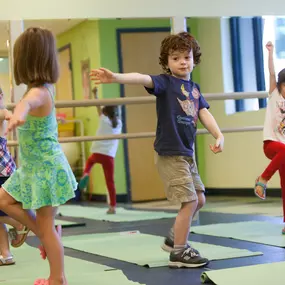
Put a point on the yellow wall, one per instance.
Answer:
(243, 159)
(84, 42)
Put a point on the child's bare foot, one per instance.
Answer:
(62, 281)
(111, 211)
(260, 188)
(41, 247)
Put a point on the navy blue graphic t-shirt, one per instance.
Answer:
(178, 103)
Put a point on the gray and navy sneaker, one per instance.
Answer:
(186, 258)
(168, 246)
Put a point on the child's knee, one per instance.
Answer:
(45, 221)
(3, 204)
(5, 199)
(201, 199)
(191, 205)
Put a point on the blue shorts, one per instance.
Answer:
(2, 181)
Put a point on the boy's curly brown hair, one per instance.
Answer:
(180, 42)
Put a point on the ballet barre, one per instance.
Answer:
(143, 135)
(148, 100)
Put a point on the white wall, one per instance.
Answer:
(66, 9)
(243, 159)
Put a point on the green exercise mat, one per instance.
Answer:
(30, 265)
(64, 224)
(262, 274)
(122, 215)
(274, 210)
(253, 231)
(143, 249)
(82, 278)
(68, 224)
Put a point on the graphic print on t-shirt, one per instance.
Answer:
(281, 116)
(196, 93)
(184, 91)
(188, 106)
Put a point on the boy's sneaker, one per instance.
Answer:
(83, 181)
(168, 246)
(186, 258)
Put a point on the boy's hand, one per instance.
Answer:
(219, 145)
(102, 75)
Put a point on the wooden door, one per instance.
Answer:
(140, 53)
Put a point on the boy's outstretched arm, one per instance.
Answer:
(103, 75)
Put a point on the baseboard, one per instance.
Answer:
(149, 200)
(121, 198)
(240, 192)
(236, 192)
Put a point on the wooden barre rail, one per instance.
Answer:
(148, 100)
(143, 135)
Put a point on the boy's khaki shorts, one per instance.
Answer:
(180, 177)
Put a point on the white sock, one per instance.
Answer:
(179, 248)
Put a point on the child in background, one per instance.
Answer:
(104, 152)
(44, 179)
(179, 104)
(274, 131)
(7, 167)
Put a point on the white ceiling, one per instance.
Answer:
(56, 26)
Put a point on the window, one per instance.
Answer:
(245, 59)
(274, 31)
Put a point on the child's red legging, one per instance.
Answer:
(107, 163)
(276, 152)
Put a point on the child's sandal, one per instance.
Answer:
(41, 282)
(5, 261)
(14, 234)
(263, 186)
(42, 252)
(83, 182)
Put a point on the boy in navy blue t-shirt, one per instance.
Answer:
(179, 104)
